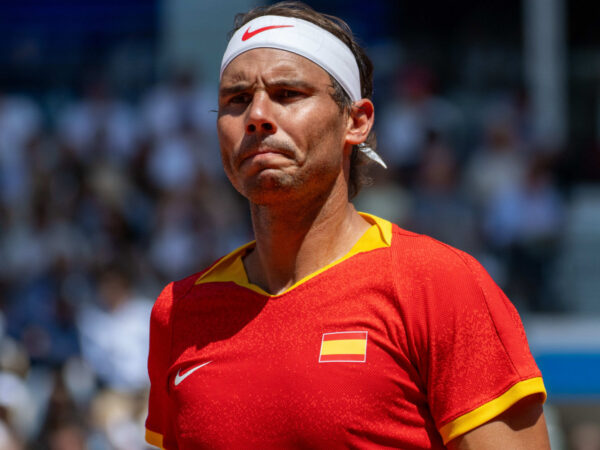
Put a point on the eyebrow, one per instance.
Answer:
(298, 84)
(233, 89)
(289, 83)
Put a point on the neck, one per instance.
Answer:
(295, 239)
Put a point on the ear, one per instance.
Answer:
(360, 121)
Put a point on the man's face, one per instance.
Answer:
(281, 132)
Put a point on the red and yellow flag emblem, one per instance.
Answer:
(344, 346)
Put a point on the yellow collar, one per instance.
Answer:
(231, 268)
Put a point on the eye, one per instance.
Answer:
(242, 98)
(288, 94)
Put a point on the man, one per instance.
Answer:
(333, 329)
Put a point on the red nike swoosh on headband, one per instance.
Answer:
(248, 34)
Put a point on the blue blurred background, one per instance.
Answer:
(488, 114)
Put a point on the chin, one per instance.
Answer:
(271, 187)
(269, 190)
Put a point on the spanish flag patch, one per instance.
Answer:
(344, 346)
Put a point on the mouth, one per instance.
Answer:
(263, 154)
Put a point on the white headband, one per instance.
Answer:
(303, 38)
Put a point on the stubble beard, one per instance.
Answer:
(273, 187)
(292, 185)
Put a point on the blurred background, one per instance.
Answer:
(488, 114)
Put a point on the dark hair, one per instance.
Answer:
(340, 29)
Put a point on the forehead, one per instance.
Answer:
(272, 63)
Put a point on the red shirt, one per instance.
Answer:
(405, 342)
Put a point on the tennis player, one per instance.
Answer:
(334, 328)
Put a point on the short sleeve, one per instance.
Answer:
(474, 358)
(157, 422)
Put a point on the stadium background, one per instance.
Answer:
(488, 114)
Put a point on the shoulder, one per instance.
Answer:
(444, 281)
(175, 291)
(427, 256)
(441, 285)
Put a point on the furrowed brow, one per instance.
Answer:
(226, 91)
(233, 89)
(294, 84)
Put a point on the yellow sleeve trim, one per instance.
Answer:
(155, 439)
(493, 408)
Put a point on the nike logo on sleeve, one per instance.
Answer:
(248, 34)
(179, 378)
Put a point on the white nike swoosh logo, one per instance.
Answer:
(179, 378)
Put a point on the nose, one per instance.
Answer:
(260, 115)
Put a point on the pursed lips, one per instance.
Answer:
(248, 154)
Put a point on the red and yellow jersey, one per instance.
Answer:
(404, 342)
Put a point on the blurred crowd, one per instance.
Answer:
(104, 199)
(101, 204)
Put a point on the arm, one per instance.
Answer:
(521, 427)
(157, 421)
